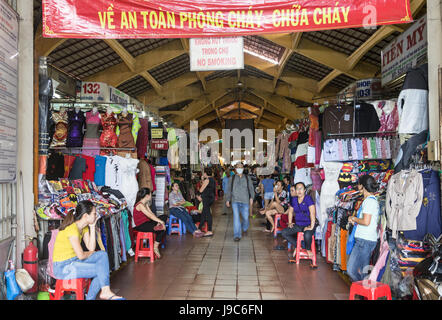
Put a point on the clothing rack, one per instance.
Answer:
(354, 133)
(92, 148)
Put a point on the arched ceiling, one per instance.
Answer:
(157, 71)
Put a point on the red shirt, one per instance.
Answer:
(90, 168)
(68, 163)
(139, 216)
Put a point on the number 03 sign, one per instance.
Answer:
(94, 92)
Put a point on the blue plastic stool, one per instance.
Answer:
(176, 226)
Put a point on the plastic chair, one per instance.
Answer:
(175, 225)
(78, 286)
(302, 253)
(369, 289)
(204, 228)
(277, 228)
(140, 250)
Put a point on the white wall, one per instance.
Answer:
(25, 125)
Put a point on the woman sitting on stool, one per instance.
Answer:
(176, 202)
(146, 221)
(279, 205)
(69, 259)
(303, 207)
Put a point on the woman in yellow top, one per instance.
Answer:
(69, 259)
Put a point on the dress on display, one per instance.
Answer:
(125, 139)
(143, 138)
(92, 135)
(75, 131)
(108, 137)
(61, 129)
(329, 187)
(129, 183)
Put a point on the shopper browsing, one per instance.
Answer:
(146, 221)
(302, 208)
(208, 189)
(366, 235)
(69, 259)
(268, 184)
(176, 202)
(240, 196)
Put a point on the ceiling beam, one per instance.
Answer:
(121, 73)
(261, 112)
(154, 83)
(324, 55)
(128, 59)
(285, 57)
(382, 33)
(186, 47)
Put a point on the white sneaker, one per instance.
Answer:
(131, 252)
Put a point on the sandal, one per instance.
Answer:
(208, 235)
(116, 299)
(157, 253)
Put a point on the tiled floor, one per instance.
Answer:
(219, 268)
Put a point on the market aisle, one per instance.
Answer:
(219, 268)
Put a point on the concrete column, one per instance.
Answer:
(25, 197)
(434, 27)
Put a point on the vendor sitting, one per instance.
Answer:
(69, 259)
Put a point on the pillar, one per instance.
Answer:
(25, 127)
(434, 28)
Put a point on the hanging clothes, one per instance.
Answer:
(61, 128)
(366, 118)
(55, 167)
(413, 102)
(108, 138)
(337, 120)
(92, 135)
(388, 117)
(75, 129)
(144, 175)
(125, 137)
(100, 171)
(403, 201)
(429, 218)
(129, 184)
(143, 139)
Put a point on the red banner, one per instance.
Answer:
(159, 144)
(113, 19)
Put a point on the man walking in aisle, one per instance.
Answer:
(240, 195)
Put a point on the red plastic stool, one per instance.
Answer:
(140, 250)
(204, 228)
(302, 253)
(371, 290)
(277, 229)
(78, 286)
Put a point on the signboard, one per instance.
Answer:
(156, 133)
(159, 144)
(405, 51)
(118, 97)
(8, 92)
(66, 84)
(94, 92)
(208, 54)
(368, 89)
(117, 19)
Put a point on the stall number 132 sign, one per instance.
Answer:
(94, 92)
